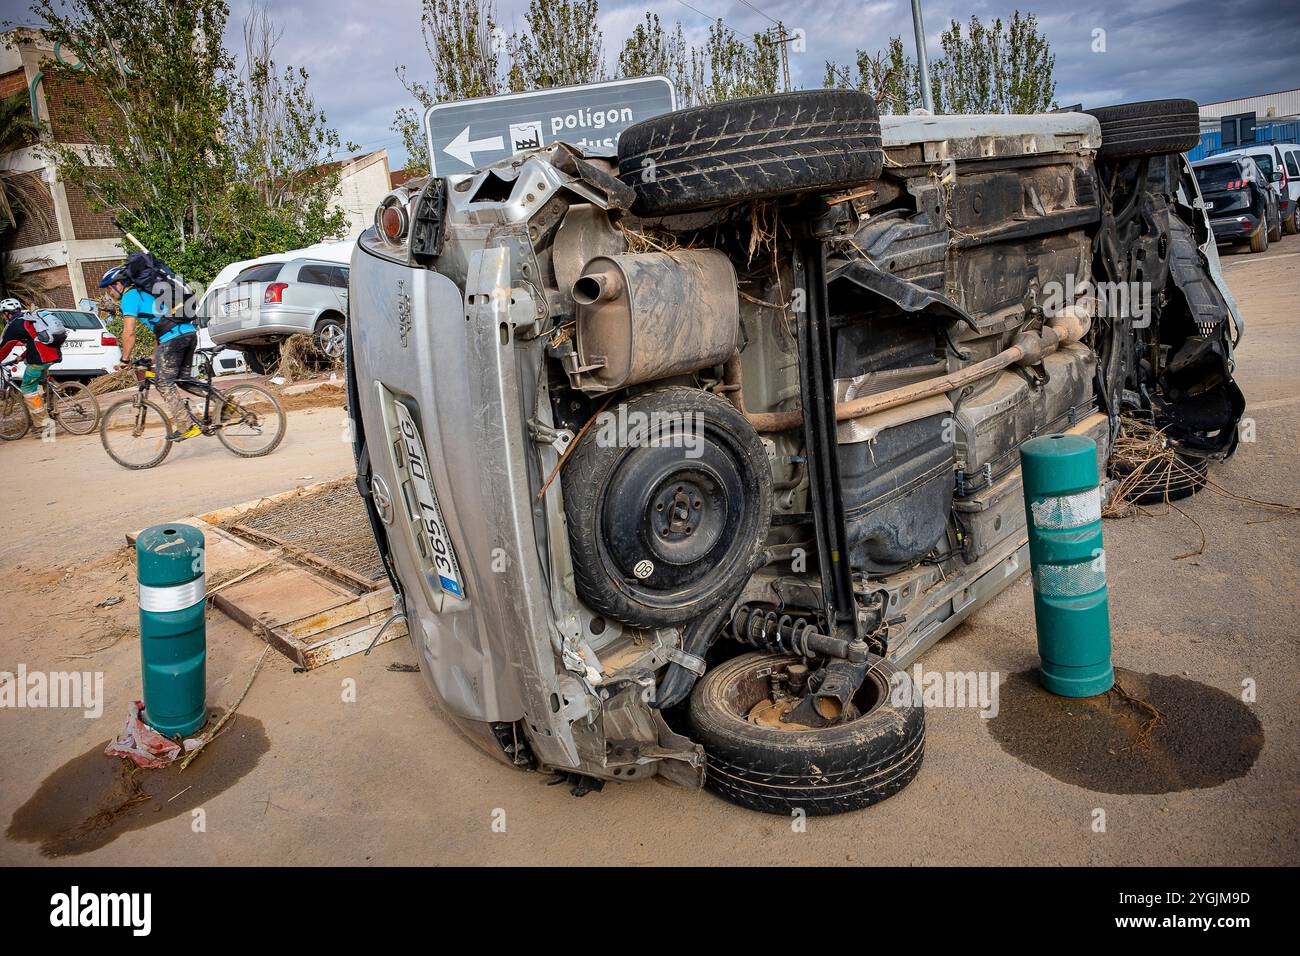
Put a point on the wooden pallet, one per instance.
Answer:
(310, 611)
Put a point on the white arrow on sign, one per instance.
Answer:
(463, 148)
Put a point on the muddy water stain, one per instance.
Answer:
(93, 799)
(1111, 744)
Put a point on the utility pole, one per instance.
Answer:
(780, 38)
(922, 60)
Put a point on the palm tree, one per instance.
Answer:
(18, 129)
(27, 287)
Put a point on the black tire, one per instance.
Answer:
(1275, 230)
(1163, 481)
(752, 148)
(1291, 225)
(821, 771)
(15, 416)
(152, 445)
(252, 421)
(329, 338)
(1259, 238)
(1149, 128)
(634, 509)
(75, 410)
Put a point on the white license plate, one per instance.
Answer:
(238, 305)
(1209, 204)
(429, 520)
(70, 344)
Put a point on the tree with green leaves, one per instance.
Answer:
(890, 76)
(277, 138)
(562, 46)
(466, 49)
(182, 158)
(651, 50)
(19, 198)
(728, 66)
(988, 68)
(995, 68)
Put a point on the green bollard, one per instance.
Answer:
(173, 632)
(1063, 514)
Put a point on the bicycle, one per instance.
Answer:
(248, 418)
(70, 405)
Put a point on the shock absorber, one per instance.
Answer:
(769, 629)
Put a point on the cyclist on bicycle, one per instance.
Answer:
(174, 355)
(21, 332)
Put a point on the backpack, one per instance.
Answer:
(50, 329)
(150, 274)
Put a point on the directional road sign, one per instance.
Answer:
(469, 134)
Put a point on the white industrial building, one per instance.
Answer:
(1282, 106)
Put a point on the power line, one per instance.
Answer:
(706, 16)
(756, 10)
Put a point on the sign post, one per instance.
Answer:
(466, 135)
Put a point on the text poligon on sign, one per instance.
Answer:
(466, 135)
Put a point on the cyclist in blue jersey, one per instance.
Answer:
(177, 339)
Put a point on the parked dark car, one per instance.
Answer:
(1274, 160)
(1240, 200)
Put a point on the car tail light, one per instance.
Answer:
(1237, 184)
(391, 219)
(107, 338)
(274, 291)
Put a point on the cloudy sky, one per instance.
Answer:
(1153, 48)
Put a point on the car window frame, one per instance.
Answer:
(239, 276)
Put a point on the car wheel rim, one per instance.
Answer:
(331, 340)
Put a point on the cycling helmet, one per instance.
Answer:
(11, 305)
(115, 274)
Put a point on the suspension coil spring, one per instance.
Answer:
(772, 630)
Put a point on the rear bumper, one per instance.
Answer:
(488, 656)
(264, 322)
(1234, 226)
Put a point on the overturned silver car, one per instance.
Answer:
(675, 462)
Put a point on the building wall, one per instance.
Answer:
(14, 81)
(87, 222)
(69, 245)
(58, 286)
(362, 185)
(1267, 106)
(40, 225)
(92, 270)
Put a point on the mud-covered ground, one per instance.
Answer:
(314, 773)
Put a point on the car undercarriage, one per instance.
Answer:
(677, 462)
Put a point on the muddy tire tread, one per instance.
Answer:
(1148, 128)
(752, 148)
(821, 772)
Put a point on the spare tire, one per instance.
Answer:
(666, 520)
(1149, 128)
(751, 148)
(1165, 479)
(822, 771)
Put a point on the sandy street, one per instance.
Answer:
(305, 776)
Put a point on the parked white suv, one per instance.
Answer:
(269, 301)
(1280, 163)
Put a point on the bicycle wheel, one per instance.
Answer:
(74, 408)
(134, 433)
(252, 421)
(15, 418)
